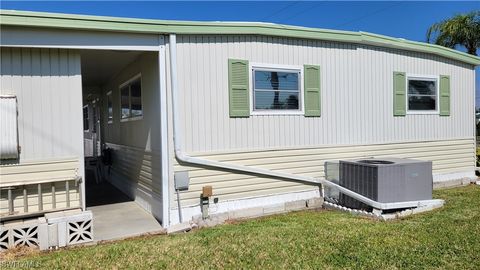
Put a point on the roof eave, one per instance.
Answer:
(100, 23)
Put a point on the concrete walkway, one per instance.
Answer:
(115, 216)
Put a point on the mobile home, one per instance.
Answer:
(244, 113)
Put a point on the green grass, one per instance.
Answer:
(444, 238)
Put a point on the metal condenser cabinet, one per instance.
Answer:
(386, 180)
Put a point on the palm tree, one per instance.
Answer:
(461, 29)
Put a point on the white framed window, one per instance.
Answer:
(131, 107)
(86, 120)
(422, 94)
(276, 89)
(109, 107)
(9, 148)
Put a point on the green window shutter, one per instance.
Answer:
(399, 94)
(444, 95)
(238, 88)
(312, 90)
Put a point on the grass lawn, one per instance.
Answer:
(445, 238)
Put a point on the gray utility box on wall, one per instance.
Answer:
(386, 180)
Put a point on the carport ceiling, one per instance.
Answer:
(98, 66)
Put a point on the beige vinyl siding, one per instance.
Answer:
(448, 156)
(47, 83)
(143, 133)
(136, 168)
(16, 174)
(48, 87)
(357, 101)
(22, 175)
(140, 167)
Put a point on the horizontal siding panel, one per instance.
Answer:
(327, 149)
(452, 169)
(43, 170)
(38, 168)
(287, 161)
(231, 177)
(447, 156)
(318, 160)
(137, 166)
(31, 177)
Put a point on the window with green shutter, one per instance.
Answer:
(399, 89)
(444, 95)
(312, 91)
(421, 94)
(276, 89)
(238, 88)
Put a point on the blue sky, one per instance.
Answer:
(406, 19)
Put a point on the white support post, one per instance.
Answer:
(162, 76)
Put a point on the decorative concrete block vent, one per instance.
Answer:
(22, 233)
(57, 229)
(69, 228)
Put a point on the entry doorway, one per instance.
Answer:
(116, 211)
(91, 127)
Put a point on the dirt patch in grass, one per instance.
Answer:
(16, 253)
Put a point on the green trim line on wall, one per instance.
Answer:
(116, 24)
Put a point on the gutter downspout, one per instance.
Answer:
(183, 157)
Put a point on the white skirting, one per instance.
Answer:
(453, 176)
(221, 207)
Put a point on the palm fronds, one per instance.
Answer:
(462, 29)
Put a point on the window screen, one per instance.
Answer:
(85, 119)
(131, 99)
(276, 89)
(422, 94)
(109, 107)
(136, 98)
(125, 101)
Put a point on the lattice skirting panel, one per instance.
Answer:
(57, 229)
(21, 234)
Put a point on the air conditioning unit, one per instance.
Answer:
(385, 180)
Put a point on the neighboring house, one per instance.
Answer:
(280, 98)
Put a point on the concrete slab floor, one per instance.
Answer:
(121, 220)
(116, 216)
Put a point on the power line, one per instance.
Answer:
(303, 11)
(369, 14)
(280, 10)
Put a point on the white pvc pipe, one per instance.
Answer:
(181, 156)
